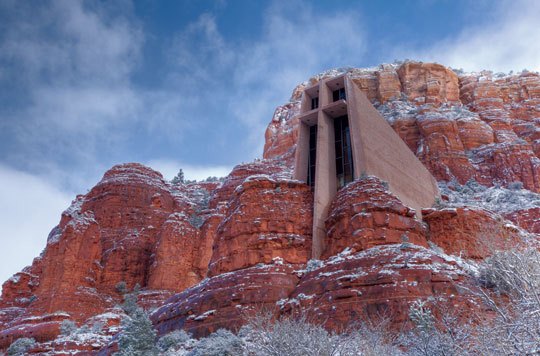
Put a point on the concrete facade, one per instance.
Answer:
(376, 149)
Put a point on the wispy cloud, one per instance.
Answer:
(252, 78)
(29, 209)
(510, 40)
(69, 66)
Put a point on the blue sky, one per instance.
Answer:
(178, 84)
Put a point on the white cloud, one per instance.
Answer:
(169, 169)
(29, 208)
(510, 40)
(72, 62)
(71, 42)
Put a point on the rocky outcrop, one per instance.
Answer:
(226, 300)
(125, 229)
(42, 328)
(177, 252)
(428, 83)
(282, 134)
(470, 232)
(222, 195)
(528, 219)
(379, 282)
(365, 214)
(266, 218)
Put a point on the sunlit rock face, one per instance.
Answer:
(209, 255)
(266, 218)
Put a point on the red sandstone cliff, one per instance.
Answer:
(208, 255)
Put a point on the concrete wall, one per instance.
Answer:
(379, 151)
(301, 157)
(325, 181)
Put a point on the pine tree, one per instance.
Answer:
(138, 337)
(179, 178)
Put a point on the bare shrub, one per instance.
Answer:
(512, 282)
(172, 340)
(444, 334)
(509, 285)
(299, 337)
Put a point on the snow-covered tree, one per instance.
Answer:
(179, 178)
(514, 274)
(138, 337)
(298, 337)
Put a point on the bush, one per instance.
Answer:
(67, 327)
(20, 346)
(220, 343)
(312, 265)
(172, 339)
(298, 337)
(129, 306)
(121, 287)
(179, 178)
(97, 327)
(294, 337)
(446, 335)
(516, 273)
(513, 330)
(515, 186)
(516, 329)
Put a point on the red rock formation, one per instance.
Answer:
(266, 218)
(221, 196)
(175, 256)
(442, 150)
(282, 134)
(252, 234)
(379, 282)
(132, 227)
(470, 233)
(225, 301)
(364, 214)
(509, 162)
(428, 83)
(99, 330)
(528, 219)
(41, 328)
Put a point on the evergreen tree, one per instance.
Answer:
(138, 337)
(179, 178)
